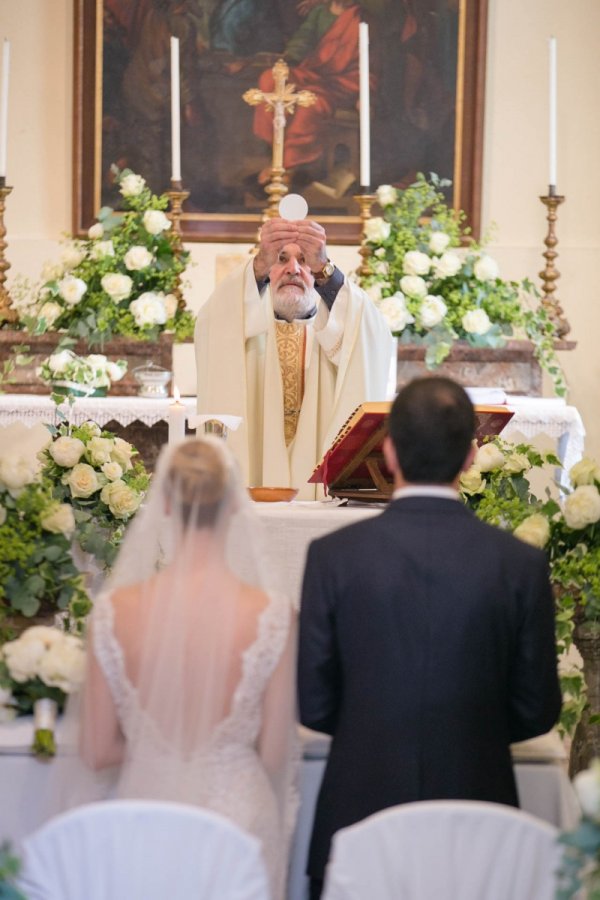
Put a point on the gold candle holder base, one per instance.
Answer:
(550, 273)
(275, 190)
(7, 313)
(177, 197)
(365, 201)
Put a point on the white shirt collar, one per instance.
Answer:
(426, 490)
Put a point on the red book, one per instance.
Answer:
(354, 467)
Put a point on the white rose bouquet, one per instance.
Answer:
(90, 375)
(433, 290)
(40, 668)
(100, 287)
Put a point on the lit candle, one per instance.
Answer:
(4, 107)
(175, 107)
(552, 118)
(365, 123)
(177, 418)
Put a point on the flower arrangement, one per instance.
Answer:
(497, 488)
(433, 291)
(122, 280)
(580, 867)
(10, 866)
(66, 372)
(39, 669)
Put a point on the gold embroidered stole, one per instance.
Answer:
(291, 347)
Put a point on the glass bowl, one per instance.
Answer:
(152, 379)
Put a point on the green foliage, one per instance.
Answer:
(458, 293)
(10, 866)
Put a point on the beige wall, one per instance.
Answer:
(515, 160)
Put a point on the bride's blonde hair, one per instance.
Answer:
(199, 481)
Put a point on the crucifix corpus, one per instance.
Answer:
(280, 101)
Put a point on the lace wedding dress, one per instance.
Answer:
(227, 773)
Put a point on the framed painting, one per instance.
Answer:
(427, 65)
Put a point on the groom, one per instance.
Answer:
(426, 636)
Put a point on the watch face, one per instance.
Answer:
(327, 270)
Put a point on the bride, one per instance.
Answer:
(189, 693)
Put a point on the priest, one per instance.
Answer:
(292, 346)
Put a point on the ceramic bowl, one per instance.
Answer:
(272, 494)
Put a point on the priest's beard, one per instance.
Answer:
(293, 300)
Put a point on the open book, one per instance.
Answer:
(354, 467)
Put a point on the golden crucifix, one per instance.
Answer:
(281, 100)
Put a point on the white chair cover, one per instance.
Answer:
(455, 850)
(142, 850)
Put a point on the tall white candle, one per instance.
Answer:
(552, 108)
(365, 121)
(175, 112)
(177, 418)
(4, 107)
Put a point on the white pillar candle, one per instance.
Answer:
(4, 107)
(175, 112)
(364, 105)
(552, 110)
(177, 419)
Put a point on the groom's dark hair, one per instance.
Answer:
(432, 425)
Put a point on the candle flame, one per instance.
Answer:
(176, 394)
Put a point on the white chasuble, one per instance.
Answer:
(239, 360)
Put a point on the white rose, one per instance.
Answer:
(138, 258)
(120, 499)
(386, 195)
(149, 309)
(171, 303)
(59, 362)
(586, 471)
(394, 311)
(22, 658)
(47, 634)
(50, 311)
(122, 452)
(377, 229)
(587, 788)
(16, 472)
(156, 221)
(438, 241)
(71, 256)
(51, 271)
(93, 428)
(413, 286)
(67, 451)
(112, 470)
(379, 253)
(132, 185)
(63, 664)
(515, 463)
(115, 370)
(98, 450)
(416, 263)
(486, 269)
(432, 311)
(117, 286)
(471, 481)
(374, 292)
(59, 519)
(381, 268)
(83, 480)
(71, 289)
(447, 265)
(582, 507)
(3, 515)
(97, 360)
(96, 231)
(488, 457)
(102, 249)
(534, 530)
(476, 321)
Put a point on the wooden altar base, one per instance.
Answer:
(23, 379)
(513, 367)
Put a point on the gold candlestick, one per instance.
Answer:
(276, 189)
(365, 201)
(550, 273)
(7, 313)
(177, 197)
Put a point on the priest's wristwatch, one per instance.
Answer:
(324, 273)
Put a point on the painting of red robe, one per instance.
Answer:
(426, 62)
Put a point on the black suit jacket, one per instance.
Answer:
(426, 647)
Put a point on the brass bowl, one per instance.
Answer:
(272, 494)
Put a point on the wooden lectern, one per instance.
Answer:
(354, 468)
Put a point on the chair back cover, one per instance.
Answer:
(142, 850)
(456, 850)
